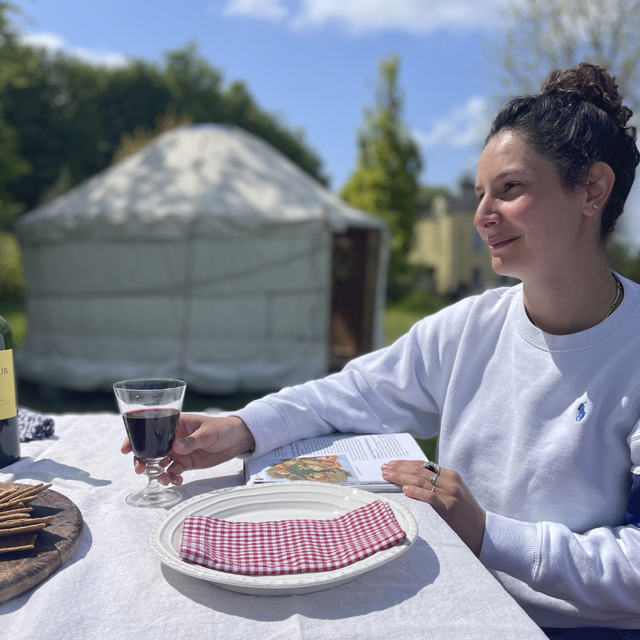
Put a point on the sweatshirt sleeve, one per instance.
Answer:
(598, 571)
(397, 389)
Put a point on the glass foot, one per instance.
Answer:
(164, 498)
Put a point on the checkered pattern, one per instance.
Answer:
(290, 546)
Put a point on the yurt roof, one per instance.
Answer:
(193, 179)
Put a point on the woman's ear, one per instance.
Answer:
(600, 181)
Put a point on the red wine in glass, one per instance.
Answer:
(151, 409)
(151, 431)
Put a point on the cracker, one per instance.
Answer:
(15, 522)
(10, 506)
(28, 528)
(10, 517)
(26, 520)
(20, 500)
(18, 543)
(29, 490)
(14, 511)
(17, 527)
(4, 495)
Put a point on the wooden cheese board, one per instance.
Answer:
(54, 545)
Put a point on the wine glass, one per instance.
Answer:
(150, 410)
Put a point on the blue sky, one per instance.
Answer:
(314, 62)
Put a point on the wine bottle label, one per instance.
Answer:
(8, 407)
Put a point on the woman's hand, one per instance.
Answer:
(201, 442)
(451, 499)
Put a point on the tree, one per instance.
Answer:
(12, 164)
(141, 136)
(385, 182)
(62, 119)
(12, 285)
(196, 90)
(544, 35)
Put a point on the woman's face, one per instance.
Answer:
(530, 222)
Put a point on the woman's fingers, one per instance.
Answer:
(139, 465)
(201, 442)
(174, 473)
(426, 495)
(126, 446)
(446, 492)
(411, 472)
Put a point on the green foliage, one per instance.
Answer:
(12, 164)
(429, 447)
(396, 322)
(12, 285)
(543, 35)
(385, 181)
(422, 302)
(624, 259)
(17, 321)
(63, 183)
(62, 120)
(141, 136)
(398, 318)
(195, 89)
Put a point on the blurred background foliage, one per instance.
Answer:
(385, 180)
(62, 119)
(12, 286)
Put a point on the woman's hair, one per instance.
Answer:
(576, 121)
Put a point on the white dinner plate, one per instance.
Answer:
(302, 500)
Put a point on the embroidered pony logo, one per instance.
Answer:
(581, 412)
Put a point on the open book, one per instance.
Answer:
(342, 458)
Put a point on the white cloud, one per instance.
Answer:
(49, 41)
(265, 9)
(414, 16)
(53, 42)
(464, 126)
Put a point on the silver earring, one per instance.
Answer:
(595, 206)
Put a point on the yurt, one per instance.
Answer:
(208, 256)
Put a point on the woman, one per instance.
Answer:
(534, 390)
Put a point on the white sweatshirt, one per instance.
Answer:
(542, 428)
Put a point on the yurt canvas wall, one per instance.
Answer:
(208, 256)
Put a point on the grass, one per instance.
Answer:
(397, 322)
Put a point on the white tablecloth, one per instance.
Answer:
(114, 587)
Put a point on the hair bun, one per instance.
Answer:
(594, 85)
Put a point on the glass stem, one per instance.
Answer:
(153, 472)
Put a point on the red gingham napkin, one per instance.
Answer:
(290, 546)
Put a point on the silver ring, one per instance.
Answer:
(432, 466)
(432, 480)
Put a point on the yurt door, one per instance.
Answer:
(353, 288)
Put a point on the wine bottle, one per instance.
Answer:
(9, 435)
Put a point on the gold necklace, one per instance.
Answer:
(611, 308)
(615, 302)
